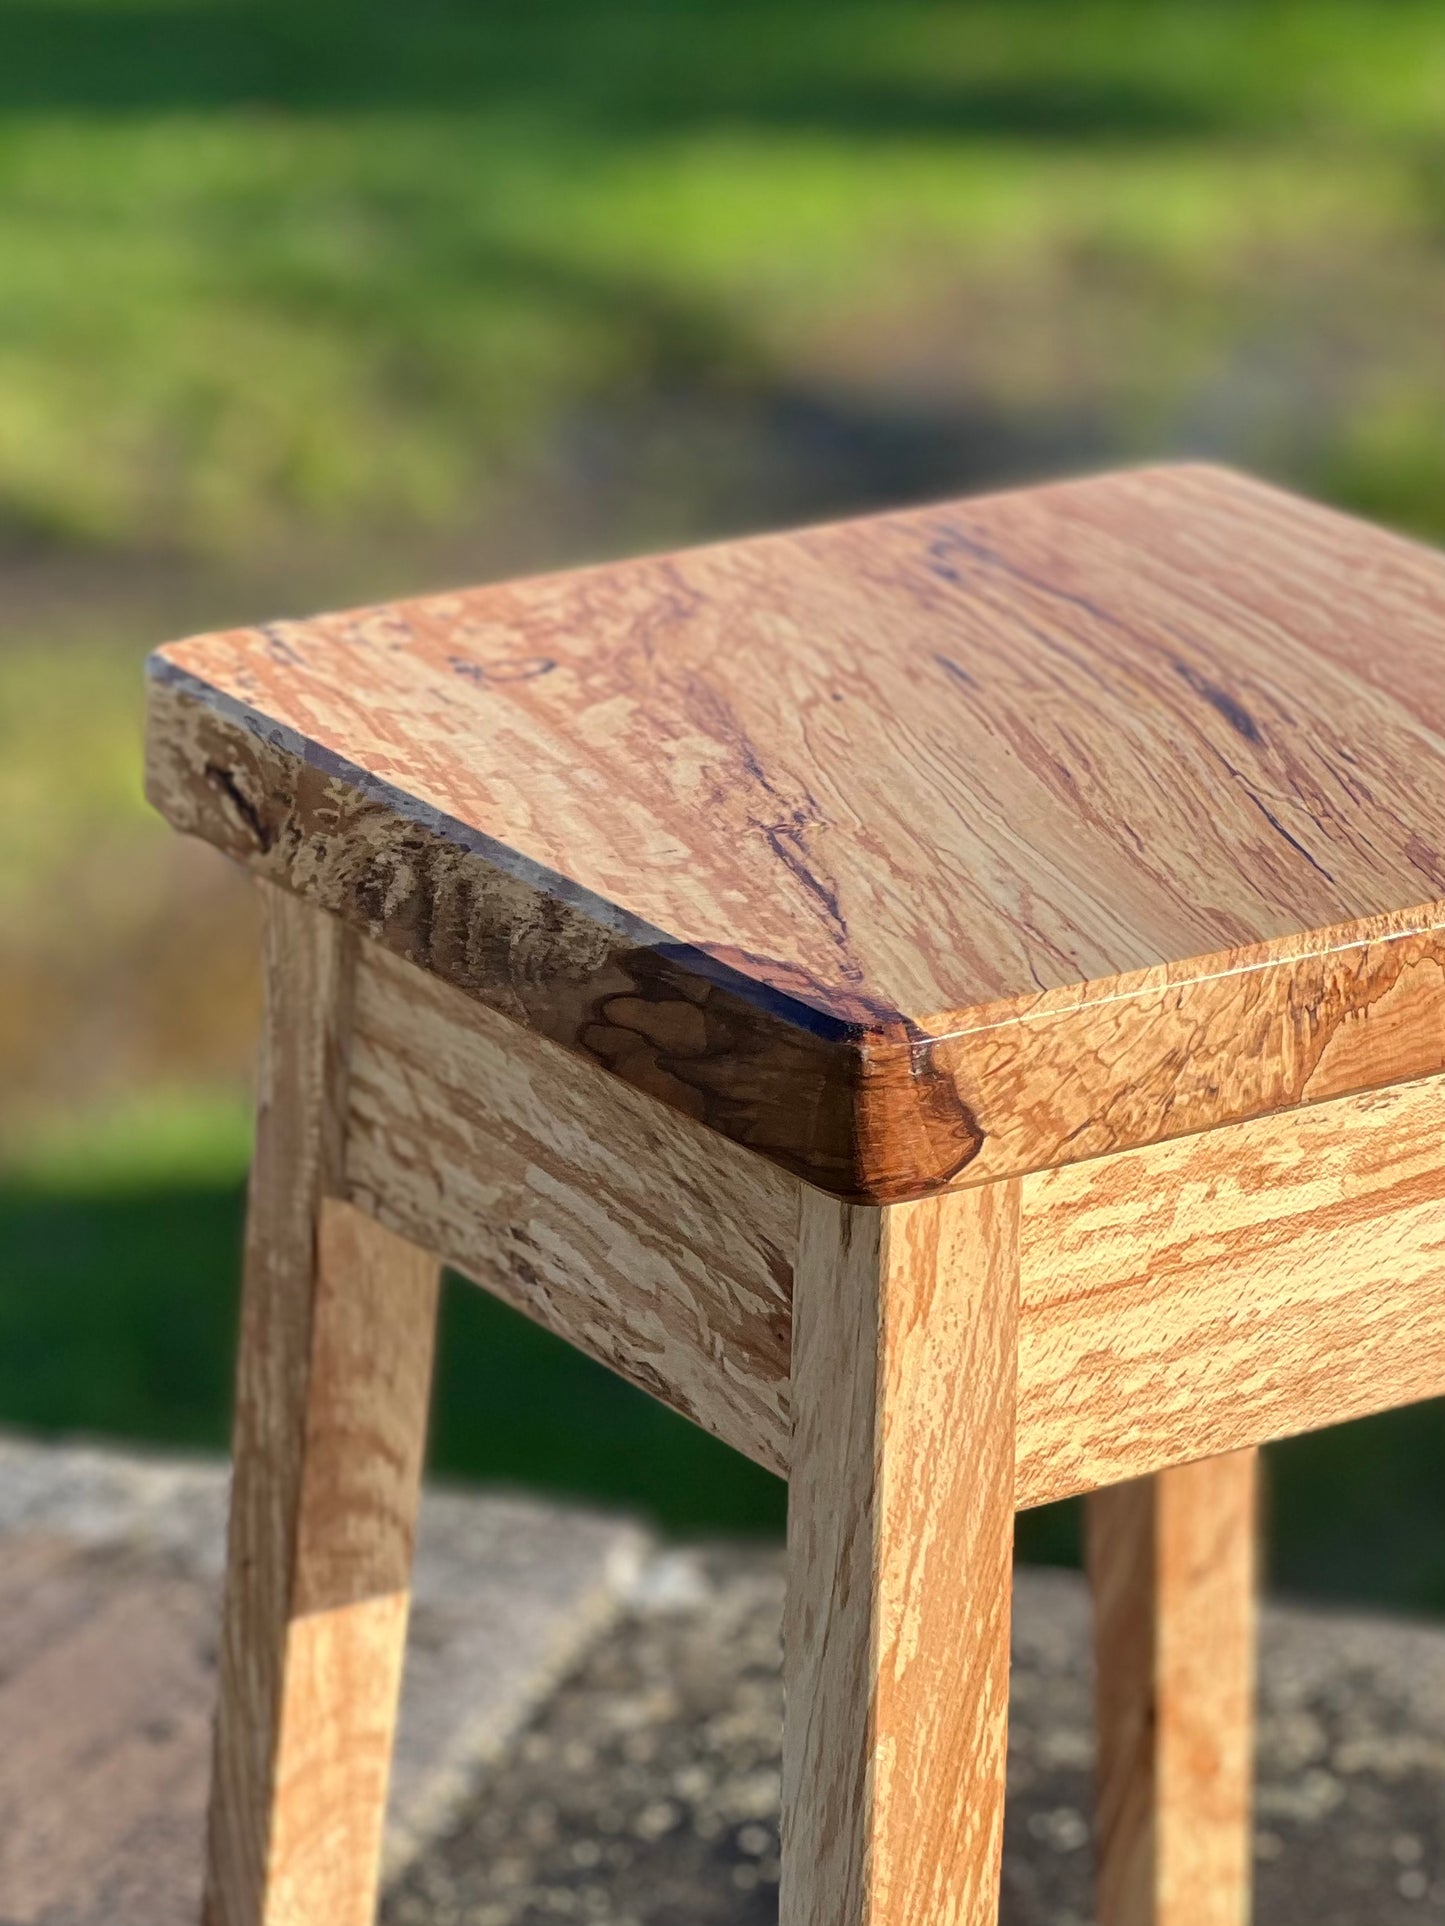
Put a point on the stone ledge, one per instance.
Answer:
(109, 1572)
(591, 1723)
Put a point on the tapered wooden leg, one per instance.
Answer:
(1172, 1565)
(900, 1538)
(331, 1397)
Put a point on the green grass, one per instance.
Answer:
(78, 710)
(277, 267)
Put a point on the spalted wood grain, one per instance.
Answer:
(1190, 1047)
(1176, 1301)
(331, 1396)
(1172, 1567)
(625, 1228)
(1200, 1296)
(913, 851)
(900, 1534)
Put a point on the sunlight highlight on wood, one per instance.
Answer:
(1172, 1565)
(900, 1536)
(1243, 1285)
(331, 1399)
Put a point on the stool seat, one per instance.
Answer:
(912, 852)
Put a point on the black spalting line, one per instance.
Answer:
(223, 780)
(788, 843)
(1220, 700)
(948, 539)
(279, 646)
(523, 668)
(788, 839)
(716, 713)
(953, 669)
(1293, 841)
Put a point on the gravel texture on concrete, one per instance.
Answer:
(645, 1791)
(591, 1723)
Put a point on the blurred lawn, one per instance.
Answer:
(308, 302)
(278, 265)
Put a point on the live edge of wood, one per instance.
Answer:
(871, 1109)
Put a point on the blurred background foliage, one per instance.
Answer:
(307, 303)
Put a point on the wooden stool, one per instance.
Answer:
(945, 1002)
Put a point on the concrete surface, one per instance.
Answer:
(644, 1792)
(109, 1570)
(592, 1722)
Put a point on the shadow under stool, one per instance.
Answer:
(952, 1003)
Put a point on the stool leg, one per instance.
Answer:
(1172, 1565)
(331, 1396)
(900, 1538)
